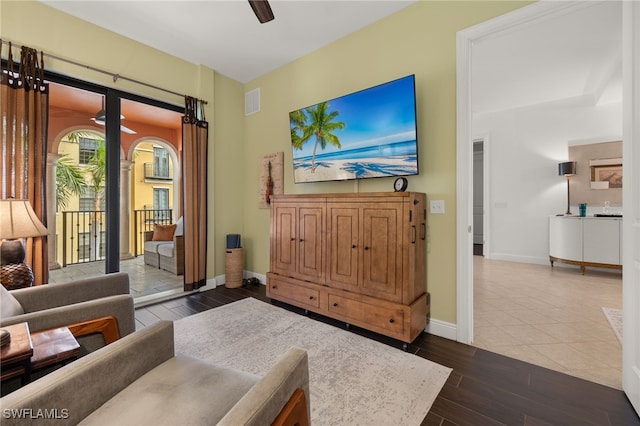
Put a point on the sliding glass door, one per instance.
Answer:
(98, 173)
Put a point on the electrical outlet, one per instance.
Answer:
(436, 207)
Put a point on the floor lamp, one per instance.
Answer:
(18, 221)
(567, 169)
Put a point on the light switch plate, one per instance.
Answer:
(436, 207)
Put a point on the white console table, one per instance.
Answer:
(586, 241)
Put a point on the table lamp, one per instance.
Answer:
(567, 169)
(18, 221)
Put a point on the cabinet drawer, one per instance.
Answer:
(367, 314)
(298, 295)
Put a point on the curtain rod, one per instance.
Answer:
(115, 77)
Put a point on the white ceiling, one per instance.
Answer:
(575, 57)
(226, 35)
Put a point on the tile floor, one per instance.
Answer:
(145, 280)
(551, 317)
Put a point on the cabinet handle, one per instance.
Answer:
(301, 240)
(274, 286)
(366, 247)
(293, 238)
(391, 320)
(335, 303)
(423, 231)
(413, 234)
(353, 246)
(310, 297)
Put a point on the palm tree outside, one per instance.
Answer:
(318, 123)
(70, 181)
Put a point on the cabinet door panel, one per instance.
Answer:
(381, 260)
(285, 236)
(565, 238)
(344, 247)
(310, 242)
(602, 241)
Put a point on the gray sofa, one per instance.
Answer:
(56, 305)
(139, 380)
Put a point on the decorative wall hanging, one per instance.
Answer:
(270, 177)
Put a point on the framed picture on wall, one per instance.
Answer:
(609, 175)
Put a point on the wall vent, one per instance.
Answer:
(252, 102)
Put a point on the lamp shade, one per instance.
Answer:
(18, 220)
(567, 169)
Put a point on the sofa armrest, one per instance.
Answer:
(49, 296)
(178, 247)
(264, 401)
(79, 388)
(120, 307)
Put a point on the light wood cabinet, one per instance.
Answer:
(297, 238)
(367, 264)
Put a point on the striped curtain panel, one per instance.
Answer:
(195, 131)
(24, 114)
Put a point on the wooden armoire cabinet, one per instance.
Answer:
(358, 258)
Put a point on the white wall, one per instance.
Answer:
(526, 146)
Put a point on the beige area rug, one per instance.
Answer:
(614, 316)
(353, 380)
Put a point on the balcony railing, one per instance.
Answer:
(83, 237)
(157, 172)
(84, 233)
(144, 220)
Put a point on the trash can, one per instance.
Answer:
(233, 267)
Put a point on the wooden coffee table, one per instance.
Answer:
(15, 356)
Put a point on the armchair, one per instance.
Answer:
(167, 254)
(73, 304)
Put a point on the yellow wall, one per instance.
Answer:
(35, 25)
(418, 40)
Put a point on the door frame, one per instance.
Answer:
(631, 207)
(631, 146)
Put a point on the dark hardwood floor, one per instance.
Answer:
(484, 388)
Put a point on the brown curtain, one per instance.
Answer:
(24, 109)
(195, 131)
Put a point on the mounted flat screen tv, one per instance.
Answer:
(366, 134)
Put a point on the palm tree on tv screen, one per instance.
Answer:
(315, 122)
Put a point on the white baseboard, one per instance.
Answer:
(211, 284)
(442, 329)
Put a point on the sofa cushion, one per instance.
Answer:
(182, 390)
(163, 232)
(152, 246)
(9, 305)
(166, 249)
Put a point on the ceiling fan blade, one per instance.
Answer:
(262, 10)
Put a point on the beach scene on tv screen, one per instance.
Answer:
(366, 134)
